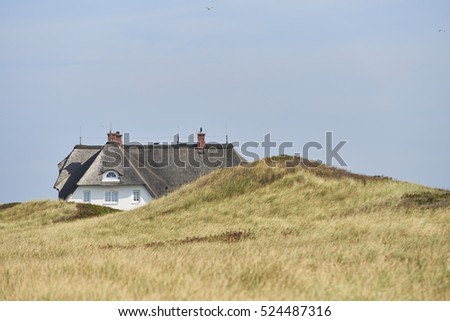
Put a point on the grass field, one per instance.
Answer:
(254, 233)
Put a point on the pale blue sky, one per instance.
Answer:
(376, 73)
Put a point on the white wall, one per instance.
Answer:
(125, 196)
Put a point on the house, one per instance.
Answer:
(126, 176)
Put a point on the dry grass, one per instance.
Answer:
(261, 233)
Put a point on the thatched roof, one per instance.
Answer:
(160, 168)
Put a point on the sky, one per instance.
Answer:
(374, 73)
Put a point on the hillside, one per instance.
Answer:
(284, 233)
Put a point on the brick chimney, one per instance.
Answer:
(115, 137)
(201, 139)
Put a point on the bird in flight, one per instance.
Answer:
(209, 8)
(441, 30)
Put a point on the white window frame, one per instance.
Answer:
(111, 197)
(88, 198)
(138, 193)
(113, 176)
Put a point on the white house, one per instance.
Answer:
(126, 176)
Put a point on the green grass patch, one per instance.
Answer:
(430, 200)
(85, 211)
(8, 205)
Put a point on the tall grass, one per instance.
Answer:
(238, 234)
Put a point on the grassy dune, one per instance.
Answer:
(254, 233)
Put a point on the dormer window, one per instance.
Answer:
(110, 176)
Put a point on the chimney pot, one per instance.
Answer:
(201, 139)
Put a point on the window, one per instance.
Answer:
(112, 197)
(136, 196)
(87, 196)
(110, 176)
